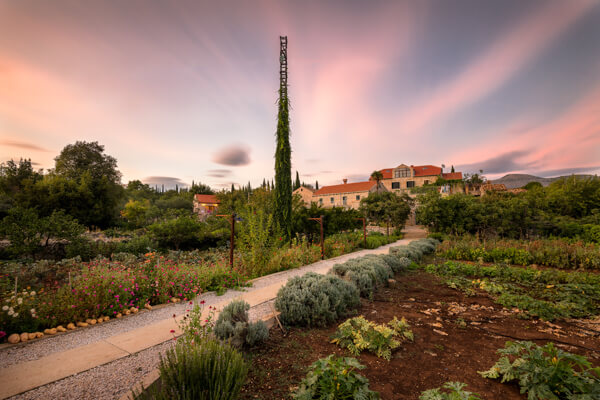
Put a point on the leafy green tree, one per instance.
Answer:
(136, 212)
(178, 233)
(16, 183)
(533, 185)
(28, 234)
(386, 207)
(377, 176)
(85, 183)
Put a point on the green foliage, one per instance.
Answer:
(555, 253)
(335, 378)
(454, 391)
(29, 234)
(386, 207)
(358, 334)
(180, 232)
(283, 168)
(233, 325)
(335, 220)
(208, 371)
(546, 372)
(259, 237)
(561, 209)
(547, 294)
(196, 327)
(316, 300)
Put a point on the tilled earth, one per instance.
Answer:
(455, 336)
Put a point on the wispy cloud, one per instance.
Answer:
(219, 173)
(504, 163)
(23, 145)
(499, 63)
(168, 181)
(236, 156)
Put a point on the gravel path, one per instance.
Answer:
(114, 379)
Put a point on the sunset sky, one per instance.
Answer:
(179, 91)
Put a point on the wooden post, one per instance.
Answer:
(364, 222)
(320, 221)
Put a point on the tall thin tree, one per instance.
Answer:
(283, 151)
(297, 181)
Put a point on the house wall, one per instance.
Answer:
(418, 180)
(305, 194)
(338, 199)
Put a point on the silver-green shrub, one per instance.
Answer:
(210, 370)
(393, 262)
(257, 333)
(366, 273)
(316, 300)
(233, 326)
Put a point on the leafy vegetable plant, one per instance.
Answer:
(546, 373)
(335, 378)
(358, 334)
(454, 392)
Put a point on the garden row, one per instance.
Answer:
(312, 300)
(548, 294)
(557, 253)
(44, 296)
(200, 360)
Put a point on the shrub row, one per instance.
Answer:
(318, 300)
(555, 253)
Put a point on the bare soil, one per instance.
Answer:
(455, 336)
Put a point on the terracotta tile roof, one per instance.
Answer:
(206, 198)
(426, 170)
(345, 188)
(387, 173)
(452, 176)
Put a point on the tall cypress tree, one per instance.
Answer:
(297, 181)
(317, 185)
(283, 151)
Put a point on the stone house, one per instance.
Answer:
(403, 178)
(347, 195)
(205, 204)
(306, 194)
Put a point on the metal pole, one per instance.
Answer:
(232, 241)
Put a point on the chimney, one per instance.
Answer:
(345, 181)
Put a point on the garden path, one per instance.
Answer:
(106, 360)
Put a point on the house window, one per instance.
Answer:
(357, 197)
(321, 201)
(331, 200)
(344, 202)
(402, 173)
(410, 184)
(426, 182)
(395, 185)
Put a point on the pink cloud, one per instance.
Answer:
(570, 140)
(501, 61)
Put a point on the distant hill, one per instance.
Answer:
(512, 181)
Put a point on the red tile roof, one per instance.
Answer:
(426, 170)
(345, 188)
(206, 198)
(387, 173)
(452, 176)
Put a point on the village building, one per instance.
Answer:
(403, 178)
(306, 194)
(347, 195)
(205, 205)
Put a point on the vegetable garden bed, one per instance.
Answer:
(455, 336)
